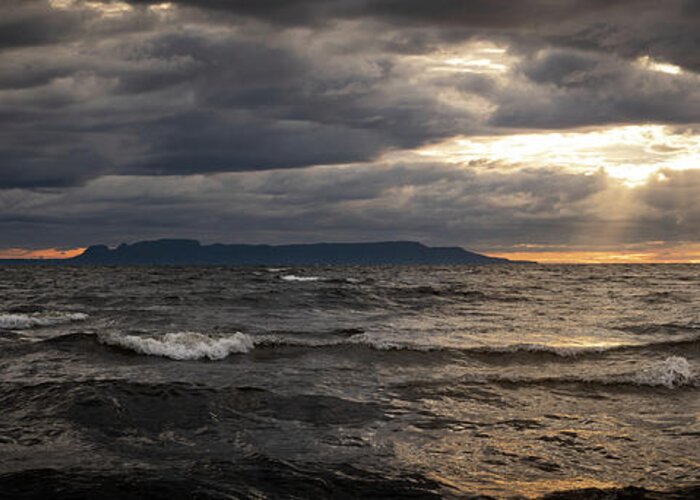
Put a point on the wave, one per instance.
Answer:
(20, 321)
(660, 328)
(182, 345)
(196, 345)
(674, 371)
(365, 340)
(575, 351)
(294, 277)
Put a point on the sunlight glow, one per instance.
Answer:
(473, 57)
(46, 253)
(161, 8)
(652, 252)
(106, 9)
(653, 65)
(630, 153)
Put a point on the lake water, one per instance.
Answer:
(337, 382)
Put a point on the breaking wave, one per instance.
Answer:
(674, 371)
(294, 277)
(182, 345)
(19, 321)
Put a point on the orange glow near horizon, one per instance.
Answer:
(45, 253)
(682, 254)
(686, 254)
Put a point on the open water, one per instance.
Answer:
(345, 382)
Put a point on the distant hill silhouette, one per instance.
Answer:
(191, 252)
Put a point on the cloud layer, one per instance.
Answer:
(288, 121)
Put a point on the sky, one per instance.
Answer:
(551, 130)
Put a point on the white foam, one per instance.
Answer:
(674, 371)
(563, 351)
(294, 277)
(183, 345)
(20, 321)
(385, 344)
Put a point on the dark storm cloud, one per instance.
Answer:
(172, 101)
(486, 13)
(567, 88)
(482, 206)
(216, 116)
(672, 199)
(34, 22)
(203, 90)
(629, 28)
(431, 202)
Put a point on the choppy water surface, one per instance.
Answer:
(331, 382)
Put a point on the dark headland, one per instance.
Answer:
(191, 252)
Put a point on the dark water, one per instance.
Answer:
(348, 382)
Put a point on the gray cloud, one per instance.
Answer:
(567, 88)
(218, 114)
(34, 22)
(477, 206)
(171, 101)
(628, 28)
(431, 202)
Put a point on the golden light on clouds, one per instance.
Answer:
(630, 152)
(474, 57)
(661, 67)
(106, 9)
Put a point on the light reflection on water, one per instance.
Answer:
(502, 381)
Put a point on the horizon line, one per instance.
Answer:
(581, 257)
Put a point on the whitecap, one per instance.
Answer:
(562, 351)
(182, 345)
(674, 371)
(294, 277)
(20, 321)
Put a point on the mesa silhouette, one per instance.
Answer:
(192, 252)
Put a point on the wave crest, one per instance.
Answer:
(19, 321)
(182, 346)
(674, 371)
(294, 277)
(388, 344)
